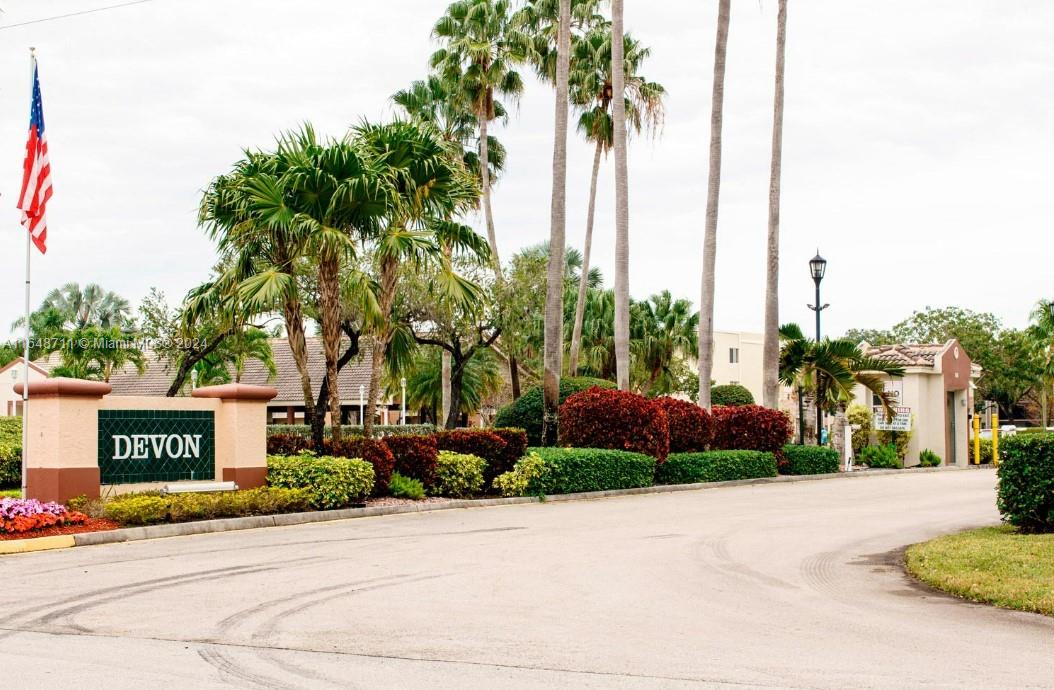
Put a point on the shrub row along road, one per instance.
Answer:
(787, 585)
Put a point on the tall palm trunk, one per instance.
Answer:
(583, 280)
(388, 279)
(771, 351)
(484, 176)
(294, 328)
(618, 79)
(554, 294)
(329, 303)
(713, 192)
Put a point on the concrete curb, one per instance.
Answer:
(255, 522)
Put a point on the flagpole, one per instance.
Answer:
(25, 349)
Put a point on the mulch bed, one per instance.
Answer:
(92, 525)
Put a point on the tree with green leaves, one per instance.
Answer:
(1041, 336)
(665, 332)
(592, 92)
(91, 305)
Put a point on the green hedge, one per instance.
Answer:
(882, 457)
(574, 470)
(810, 460)
(379, 430)
(526, 411)
(10, 451)
(1026, 482)
(148, 509)
(716, 466)
(330, 482)
(458, 474)
(731, 395)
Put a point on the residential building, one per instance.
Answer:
(10, 374)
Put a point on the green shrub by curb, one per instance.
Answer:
(810, 460)
(716, 466)
(576, 470)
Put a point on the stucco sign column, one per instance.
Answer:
(62, 442)
(241, 432)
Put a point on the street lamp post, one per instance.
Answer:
(818, 267)
(362, 405)
(403, 384)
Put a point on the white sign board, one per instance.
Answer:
(900, 422)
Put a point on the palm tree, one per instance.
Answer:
(481, 378)
(770, 353)
(554, 306)
(713, 192)
(431, 187)
(1041, 333)
(250, 343)
(664, 332)
(90, 306)
(592, 90)
(830, 369)
(618, 117)
(480, 47)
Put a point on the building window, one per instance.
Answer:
(733, 355)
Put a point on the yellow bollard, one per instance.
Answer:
(976, 440)
(995, 438)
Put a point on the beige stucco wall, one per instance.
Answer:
(62, 432)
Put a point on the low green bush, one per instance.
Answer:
(406, 487)
(716, 466)
(881, 457)
(809, 460)
(731, 395)
(986, 451)
(458, 475)
(330, 482)
(526, 411)
(10, 451)
(517, 482)
(574, 470)
(927, 458)
(152, 508)
(1026, 482)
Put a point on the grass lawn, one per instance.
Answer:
(10, 493)
(993, 565)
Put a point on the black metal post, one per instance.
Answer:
(819, 403)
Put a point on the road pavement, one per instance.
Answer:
(792, 585)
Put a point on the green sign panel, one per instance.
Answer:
(156, 446)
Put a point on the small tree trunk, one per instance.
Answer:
(456, 380)
(376, 365)
(446, 387)
(771, 349)
(329, 301)
(514, 377)
(294, 329)
(713, 193)
(388, 282)
(583, 280)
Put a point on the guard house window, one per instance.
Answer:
(733, 355)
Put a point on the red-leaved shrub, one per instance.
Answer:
(287, 444)
(750, 427)
(600, 418)
(690, 425)
(515, 448)
(415, 456)
(373, 451)
(479, 442)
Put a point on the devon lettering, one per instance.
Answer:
(156, 446)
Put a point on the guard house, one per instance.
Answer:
(934, 397)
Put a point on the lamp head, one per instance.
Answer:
(817, 267)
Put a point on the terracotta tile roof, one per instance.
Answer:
(908, 355)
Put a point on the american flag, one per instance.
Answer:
(36, 179)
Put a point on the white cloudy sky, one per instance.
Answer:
(917, 136)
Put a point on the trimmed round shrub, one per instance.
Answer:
(287, 444)
(750, 427)
(331, 482)
(690, 425)
(373, 451)
(731, 395)
(1026, 482)
(810, 460)
(415, 456)
(716, 466)
(575, 470)
(515, 448)
(529, 470)
(526, 411)
(619, 420)
(482, 442)
(459, 475)
(882, 457)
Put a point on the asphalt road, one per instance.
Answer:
(786, 585)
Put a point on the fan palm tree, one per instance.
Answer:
(480, 47)
(713, 193)
(664, 332)
(431, 187)
(1041, 333)
(618, 118)
(830, 369)
(481, 378)
(592, 91)
(250, 343)
(770, 350)
(88, 306)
